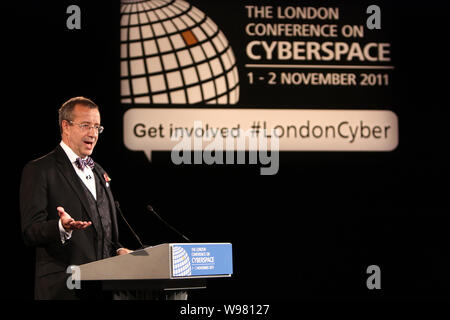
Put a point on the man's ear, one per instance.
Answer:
(64, 126)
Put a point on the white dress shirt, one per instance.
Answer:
(86, 175)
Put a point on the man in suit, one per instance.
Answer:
(67, 208)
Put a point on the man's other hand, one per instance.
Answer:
(122, 251)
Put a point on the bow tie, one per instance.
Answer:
(81, 164)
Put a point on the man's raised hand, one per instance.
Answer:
(69, 223)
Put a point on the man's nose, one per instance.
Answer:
(92, 132)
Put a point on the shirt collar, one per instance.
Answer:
(72, 155)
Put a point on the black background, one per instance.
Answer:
(309, 231)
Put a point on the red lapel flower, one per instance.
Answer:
(107, 178)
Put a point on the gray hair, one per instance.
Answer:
(65, 112)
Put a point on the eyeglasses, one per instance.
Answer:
(87, 127)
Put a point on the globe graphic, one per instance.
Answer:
(172, 53)
(181, 263)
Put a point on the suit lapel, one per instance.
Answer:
(66, 168)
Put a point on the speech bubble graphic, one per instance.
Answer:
(160, 129)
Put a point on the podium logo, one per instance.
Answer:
(172, 53)
(180, 262)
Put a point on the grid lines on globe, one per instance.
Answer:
(172, 53)
(181, 262)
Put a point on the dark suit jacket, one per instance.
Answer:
(47, 183)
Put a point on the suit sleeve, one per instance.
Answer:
(37, 228)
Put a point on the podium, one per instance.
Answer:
(168, 266)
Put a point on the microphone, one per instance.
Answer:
(150, 208)
(123, 217)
